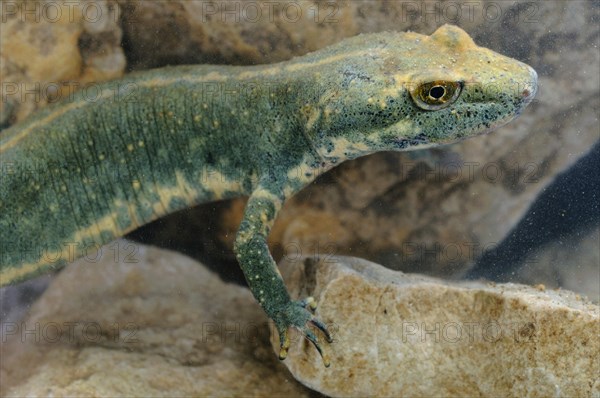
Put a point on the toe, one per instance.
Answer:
(309, 303)
(310, 336)
(284, 344)
(322, 327)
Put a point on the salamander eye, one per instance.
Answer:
(436, 95)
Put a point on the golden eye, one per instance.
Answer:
(436, 95)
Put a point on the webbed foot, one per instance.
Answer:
(297, 315)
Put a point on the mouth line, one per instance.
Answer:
(499, 123)
(405, 143)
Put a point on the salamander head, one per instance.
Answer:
(405, 90)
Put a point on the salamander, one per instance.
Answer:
(100, 164)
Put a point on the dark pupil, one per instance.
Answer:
(437, 92)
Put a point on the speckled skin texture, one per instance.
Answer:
(112, 158)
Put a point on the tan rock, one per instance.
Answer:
(153, 323)
(230, 32)
(50, 49)
(408, 335)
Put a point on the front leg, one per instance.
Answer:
(264, 278)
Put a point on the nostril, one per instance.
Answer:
(526, 93)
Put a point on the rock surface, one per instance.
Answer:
(229, 32)
(49, 49)
(143, 321)
(162, 325)
(409, 335)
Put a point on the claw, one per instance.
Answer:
(313, 339)
(321, 326)
(284, 344)
(298, 315)
(309, 302)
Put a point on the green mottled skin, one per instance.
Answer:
(90, 162)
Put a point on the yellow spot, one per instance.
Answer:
(135, 184)
(130, 147)
(313, 116)
(101, 157)
(342, 146)
(263, 193)
(216, 123)
(197, 118)
(140, 143)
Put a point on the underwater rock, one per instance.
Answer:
(409, 335)
(257, 32)
(50, 49)
(140, 321)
